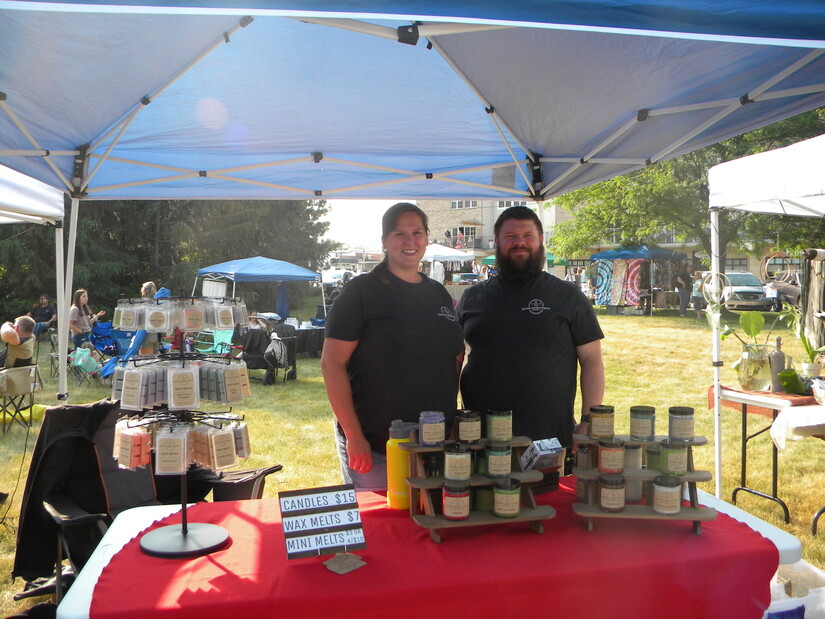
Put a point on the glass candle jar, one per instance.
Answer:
(507, 498)
(667, 494)
(431, 428)
(611, 493)
(673, 457)
(642, 423)
(455, 501)
(499, 425)
(584, 456)
(632, 461)
(611, 456)
(680, 423)
(458, 461)
(499, 456)
(469, 426)
(601, 422)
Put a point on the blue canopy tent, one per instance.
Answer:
(260, 269)
(620, 276)
(382, 99)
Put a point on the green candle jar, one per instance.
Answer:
(507, 498)
(499, 425)
(673, 457)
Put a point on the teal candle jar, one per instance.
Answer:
(499, 425)
(642, 423)
(673, 457)
(499, 459)
(507, 498)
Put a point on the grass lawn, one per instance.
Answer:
(660, 361)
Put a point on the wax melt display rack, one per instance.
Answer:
(695, 513)
(189, 539)
(422, 507)
(184, 313)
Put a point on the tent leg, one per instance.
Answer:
(717, 361)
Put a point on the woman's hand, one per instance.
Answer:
(360, 454)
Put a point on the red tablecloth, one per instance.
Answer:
(795, 400)
(639, 568)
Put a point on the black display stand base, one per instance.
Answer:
(186, 540)
(171, 542)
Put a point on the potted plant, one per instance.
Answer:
(753, 366)
(792, 316)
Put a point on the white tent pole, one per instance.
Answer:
(62, 310)
(717, 361)
(63, 343)
(194, 285)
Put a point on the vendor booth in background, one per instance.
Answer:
(256, 269)
(626, 275)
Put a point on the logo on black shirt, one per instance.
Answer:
(445, 312)
(535, 307)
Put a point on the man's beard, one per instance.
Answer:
(517, 270)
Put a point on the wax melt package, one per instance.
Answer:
(543, 454)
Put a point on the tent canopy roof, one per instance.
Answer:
(259, 269)
(638, 252)
(785, 181)
(436, 251)
(319, 99)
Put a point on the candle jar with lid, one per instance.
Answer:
(611, 456)
(499, 458)
(458, 461)
(680, 423)
(455, 500)
(431, 428)
(673, 457)
(611, 492)
(667, 495)
(499, 425)
(507, 498)
(601, 424)
(468, 426)
(642, 423)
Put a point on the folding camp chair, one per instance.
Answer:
(17, 387)
(215, 342)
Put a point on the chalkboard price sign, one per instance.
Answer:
(321, 521)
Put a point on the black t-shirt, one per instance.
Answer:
(408, 340)
(523, 339)
(43, 314)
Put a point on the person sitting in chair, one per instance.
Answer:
(44, 315)
(19, 339)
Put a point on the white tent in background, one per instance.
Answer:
(442, 253)
(785, 181)
(26, 200)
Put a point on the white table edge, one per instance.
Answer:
(789, 546)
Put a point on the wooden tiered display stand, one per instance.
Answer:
(422, 487)
(695, 512)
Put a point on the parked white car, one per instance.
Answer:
(743, 291)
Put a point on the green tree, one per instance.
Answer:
(674, 195)
(121, 244)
